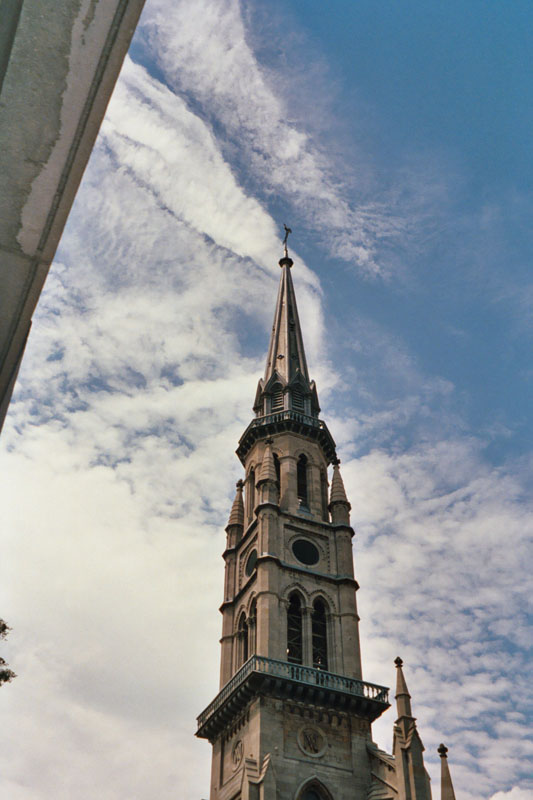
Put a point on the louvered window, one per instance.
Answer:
(277, 400)
(298, 402)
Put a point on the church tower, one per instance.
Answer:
(292, 719)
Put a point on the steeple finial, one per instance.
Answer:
(285, 240)
(403, 698)
(446, 785)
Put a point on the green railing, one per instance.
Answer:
(281, 416)
(300, 674)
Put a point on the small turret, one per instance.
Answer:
(235, 526)
(403, 698)
(338, 503)
(446, 785)
(267, 482)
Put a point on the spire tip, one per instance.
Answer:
(398, 661)
(442, 750)
(285, 248)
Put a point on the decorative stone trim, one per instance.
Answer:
(312, 741)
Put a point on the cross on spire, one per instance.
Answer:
(285, 240)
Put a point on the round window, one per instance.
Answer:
(305, 551)
(250, 564)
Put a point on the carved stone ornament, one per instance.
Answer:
(237, 753)
(312, 741)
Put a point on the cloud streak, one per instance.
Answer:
(205, 54)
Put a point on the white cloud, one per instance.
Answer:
(119, 457)
(445, 540)
(205, 53)
(513, 794)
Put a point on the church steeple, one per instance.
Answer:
(286, 354)
(286, 399)
(292, 719)
(286, 384)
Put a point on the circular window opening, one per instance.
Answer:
(305, 551)
(250, 564)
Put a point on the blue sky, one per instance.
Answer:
(394, 138)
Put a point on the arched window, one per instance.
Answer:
(324, 493)
(294, 630)
(276, 403)
(252, 628)
(242, 634)
(314, 791)
(277, 467)
(319, 628)
(311, 794)
(301, 480)
(251, 493)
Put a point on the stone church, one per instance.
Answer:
(292, 719)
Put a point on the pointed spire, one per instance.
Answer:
(268, 468)
(403, 698)
(338, 502)
(446, 785)
(236, 516)
(286, 354)
(267, 481)
(338, 492)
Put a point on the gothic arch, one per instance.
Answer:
(252, 467)
(241, 612)
(332, 653)
(327, 598)
(312, 789)
(302, 451)
(296, 588)
(252, 626)
(252, 601)
(242, 640)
